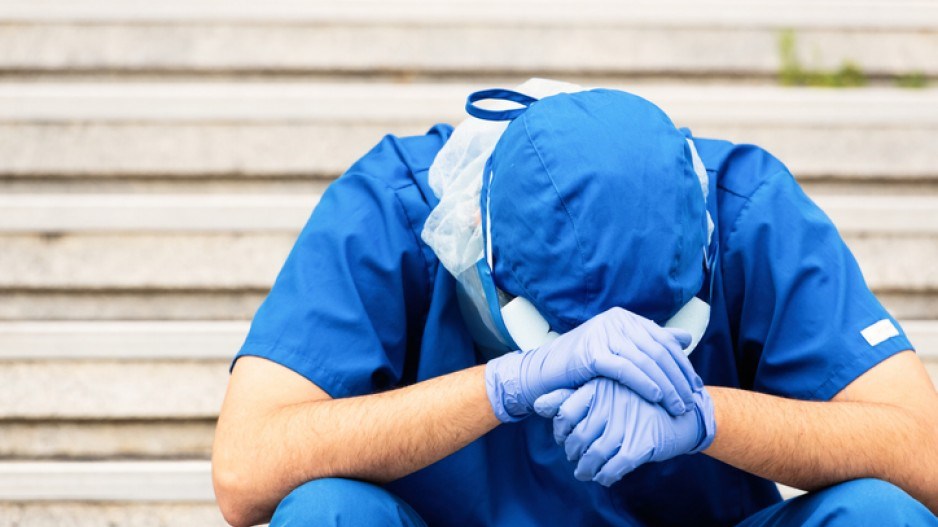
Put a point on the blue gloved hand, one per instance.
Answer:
(610, 431)
(616, 344)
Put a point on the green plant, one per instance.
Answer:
(913, 80)
(792, 73)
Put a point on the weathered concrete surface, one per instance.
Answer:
(251, 261)
(113, 340)
(241, 305)
(161, 305)
(132, 439)
(133, 481)
(46, 390)
(599, 37)
(135, 213)
(317, 130)
(193, 341)
(144, 261)
(57, 213)
(310, 150)
(98, 514)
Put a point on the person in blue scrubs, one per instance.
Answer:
(799, 356)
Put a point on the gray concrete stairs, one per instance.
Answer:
(157, 160)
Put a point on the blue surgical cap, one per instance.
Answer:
(594, 203)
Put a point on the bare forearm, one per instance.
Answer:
(809, 445)
(377, 437)
(385, 436)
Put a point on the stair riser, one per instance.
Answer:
(620, 49)
(324, 151)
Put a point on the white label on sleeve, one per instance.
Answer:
(880, 331)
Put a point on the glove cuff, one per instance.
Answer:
(706, 421)
(503, 387)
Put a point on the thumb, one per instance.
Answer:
(684, 338)
(548, 404)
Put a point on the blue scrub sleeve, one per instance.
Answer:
(802, 304)
(354, 290)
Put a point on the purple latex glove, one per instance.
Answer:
(616, 344)
(610, 431)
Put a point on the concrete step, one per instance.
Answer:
(96, 514)
(237, 243)
(137, 262)
(83, 390)
(182, 305)
(80, 390)
(407, 37)
(227, 213)
(130, 341)
(104, 481)
(138, 213)
(115, 371)
(292, 186)
(250, 262)
(84, 371)
(106, 439)
(306, 130)
(196, 341)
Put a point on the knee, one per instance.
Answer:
(336, 501)
(872, 502)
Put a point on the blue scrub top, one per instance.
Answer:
(363, 305)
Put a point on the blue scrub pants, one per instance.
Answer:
(855, 503)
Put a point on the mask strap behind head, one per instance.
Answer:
(495, 94)
(518, 322)
(500, 95)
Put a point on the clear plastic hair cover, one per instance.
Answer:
(454, 228)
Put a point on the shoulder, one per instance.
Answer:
(399, 163)
(742, 173)
(386, 191)
(739, 169)
(391, 176)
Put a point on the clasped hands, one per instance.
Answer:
(620, 391)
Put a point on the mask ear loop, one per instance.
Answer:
(501, 95)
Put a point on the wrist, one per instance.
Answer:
(503, 387)
(706, 421)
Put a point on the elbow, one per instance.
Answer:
(234, 498)
(235, 494)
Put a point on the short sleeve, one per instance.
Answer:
(353, 293)
(808, 324)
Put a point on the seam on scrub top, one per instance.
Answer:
(728, 246)
(410, 227)
(405, 155)
(428, 289)
(733, 192)
(566, 210)
(745, 208)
